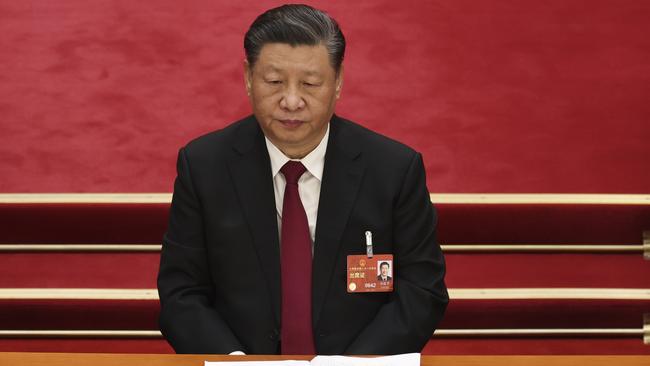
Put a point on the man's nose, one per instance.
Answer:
(292, 100)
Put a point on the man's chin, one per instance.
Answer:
(290, 137)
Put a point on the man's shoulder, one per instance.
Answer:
(370, 142)
(219, 141)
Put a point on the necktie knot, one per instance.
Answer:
(292, 171)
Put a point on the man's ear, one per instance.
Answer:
(339, 82)
(248, 76)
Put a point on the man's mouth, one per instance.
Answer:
(291, 123)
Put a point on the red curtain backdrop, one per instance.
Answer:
(499, 96)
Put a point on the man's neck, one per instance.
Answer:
(298, 153)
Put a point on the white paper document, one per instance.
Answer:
(407, 359)
(257, 363)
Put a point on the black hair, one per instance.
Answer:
(295, 24)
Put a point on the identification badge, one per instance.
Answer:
(370, 274)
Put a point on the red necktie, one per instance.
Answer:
(297, 336)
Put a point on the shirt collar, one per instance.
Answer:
(314, 161)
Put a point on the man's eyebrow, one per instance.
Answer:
(271, 68)
(307, 72)
(312, 73)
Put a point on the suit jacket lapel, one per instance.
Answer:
(251, 171)
(341, 180)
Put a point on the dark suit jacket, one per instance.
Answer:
(219, 279)
(388, 278)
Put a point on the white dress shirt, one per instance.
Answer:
(308, 184)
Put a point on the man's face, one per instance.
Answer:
(384, 270)
(293, 91)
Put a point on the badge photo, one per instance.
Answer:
(385, 271)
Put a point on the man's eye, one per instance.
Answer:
(310, 84)
(274, 82)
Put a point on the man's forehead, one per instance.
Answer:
(280, 57)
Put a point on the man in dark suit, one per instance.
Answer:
(266, 211)
(384, 269)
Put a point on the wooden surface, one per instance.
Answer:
(95, 359)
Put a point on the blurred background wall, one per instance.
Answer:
(499, 96)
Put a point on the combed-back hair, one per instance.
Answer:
(295, 24)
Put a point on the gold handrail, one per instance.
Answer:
(553, 248)
(80, 247)
(440, 333)
(79, 333)
(545, 332)
(450, 248)
(454, 294)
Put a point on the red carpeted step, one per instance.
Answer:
(83, 223)
(82, 270)
(461, 314)
(79, 314)
(77, 345)
(458, 223)
(542, 223)
(536, 346)
(518, 270)
(542, 313)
